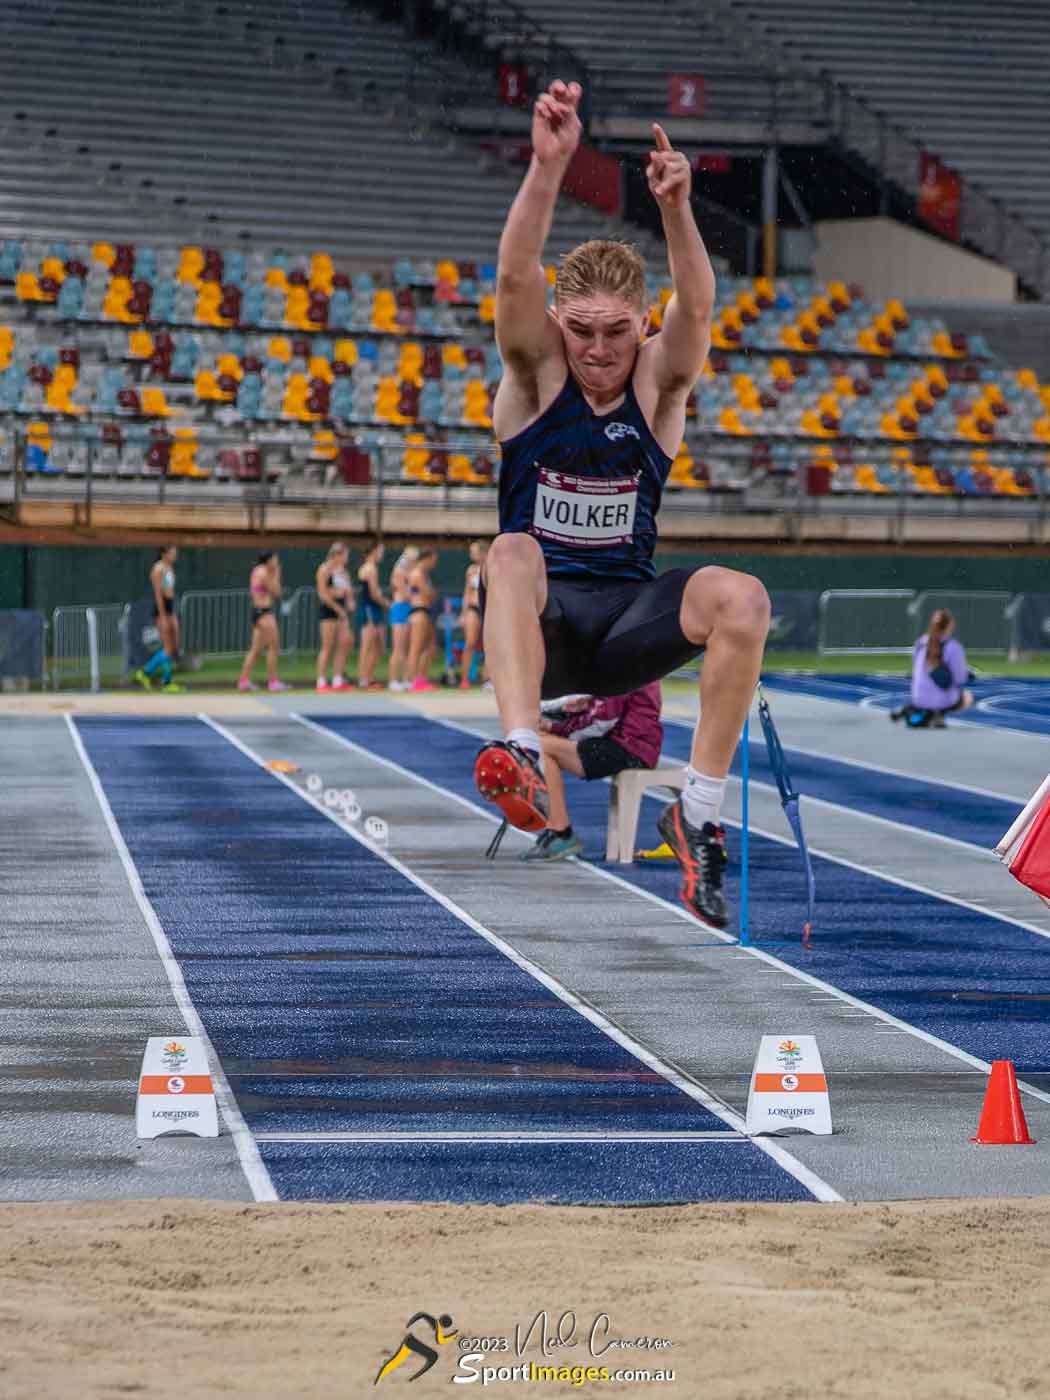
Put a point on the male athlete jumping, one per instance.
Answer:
(590, 415)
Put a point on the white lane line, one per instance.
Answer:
(768, 958)
(247, 1152)
(606, 1139)
(863, 764)
(696, 1091)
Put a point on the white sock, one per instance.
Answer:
(525, 739)
(702, 797)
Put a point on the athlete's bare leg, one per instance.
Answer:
(728, 613)
(515, 596)
(560, 755)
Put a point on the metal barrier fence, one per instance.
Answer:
(864, 620)
(218, 622)
(884, 622)
(87, 643)
(984, 621)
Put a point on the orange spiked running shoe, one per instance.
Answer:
(511, 777)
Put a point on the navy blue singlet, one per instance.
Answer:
(587, 486)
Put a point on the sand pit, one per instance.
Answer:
(194, 1300)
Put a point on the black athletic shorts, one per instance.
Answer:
(167, 609)
(327, 614)
(612, 636)
(602, 757)
(259, 613)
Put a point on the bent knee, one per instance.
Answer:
(513, 552)
(725, 598)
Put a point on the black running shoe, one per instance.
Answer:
(702, 856)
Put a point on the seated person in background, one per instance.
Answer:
(593, 738)
(938, 675)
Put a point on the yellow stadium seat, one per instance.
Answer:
(191, 265)
(279, 347)
(296, 308)
(476, 403)
(1028, 379)
(115, 306)
(230, 364)
(729, 421)
(277, 277)
(321, 273)
(346, 352)
(447, 271)
(27, 288)
(140, 344)
(53, 268)
(39, 434)
(487, 309)
(153, 402)
(103, 253)
(453, 354)
(205, 385)
(183, 459)
(296, 393)
(325, 446)
(551, 274)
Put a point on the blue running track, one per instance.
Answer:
(341, 998)
(978, 982)
(1022, 705)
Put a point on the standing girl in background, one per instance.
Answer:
(264, 584)
(372, 608)
(162, 586)
(422, 596)
(334, 592)
(400, 611)
(938, 676)
(471, 619)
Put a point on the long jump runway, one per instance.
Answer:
(413, 1022)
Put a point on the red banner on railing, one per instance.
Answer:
(685, 95)
(595, 178)
(940, 196)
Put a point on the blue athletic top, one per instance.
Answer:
(587, 486)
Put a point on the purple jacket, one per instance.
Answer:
(927, 694)
(633, 721)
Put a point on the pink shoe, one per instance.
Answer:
(420, 684)
(277, 685)
(245, 684)
(322, 684)
(341, 683)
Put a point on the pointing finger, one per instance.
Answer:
(662, 142)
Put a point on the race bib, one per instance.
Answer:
(585, 511)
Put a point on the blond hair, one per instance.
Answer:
(602, 265)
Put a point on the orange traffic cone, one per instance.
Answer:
(1002, 1118)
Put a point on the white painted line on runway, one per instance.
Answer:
(606, 1139)
(247, 1152)
(696, 1091)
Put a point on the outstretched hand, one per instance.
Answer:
(669, 173)
(555, 123)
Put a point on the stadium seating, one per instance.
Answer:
(220, 124)
(346, 375)
(972, 90)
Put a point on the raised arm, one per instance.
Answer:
(524, 332)
(679, 351)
